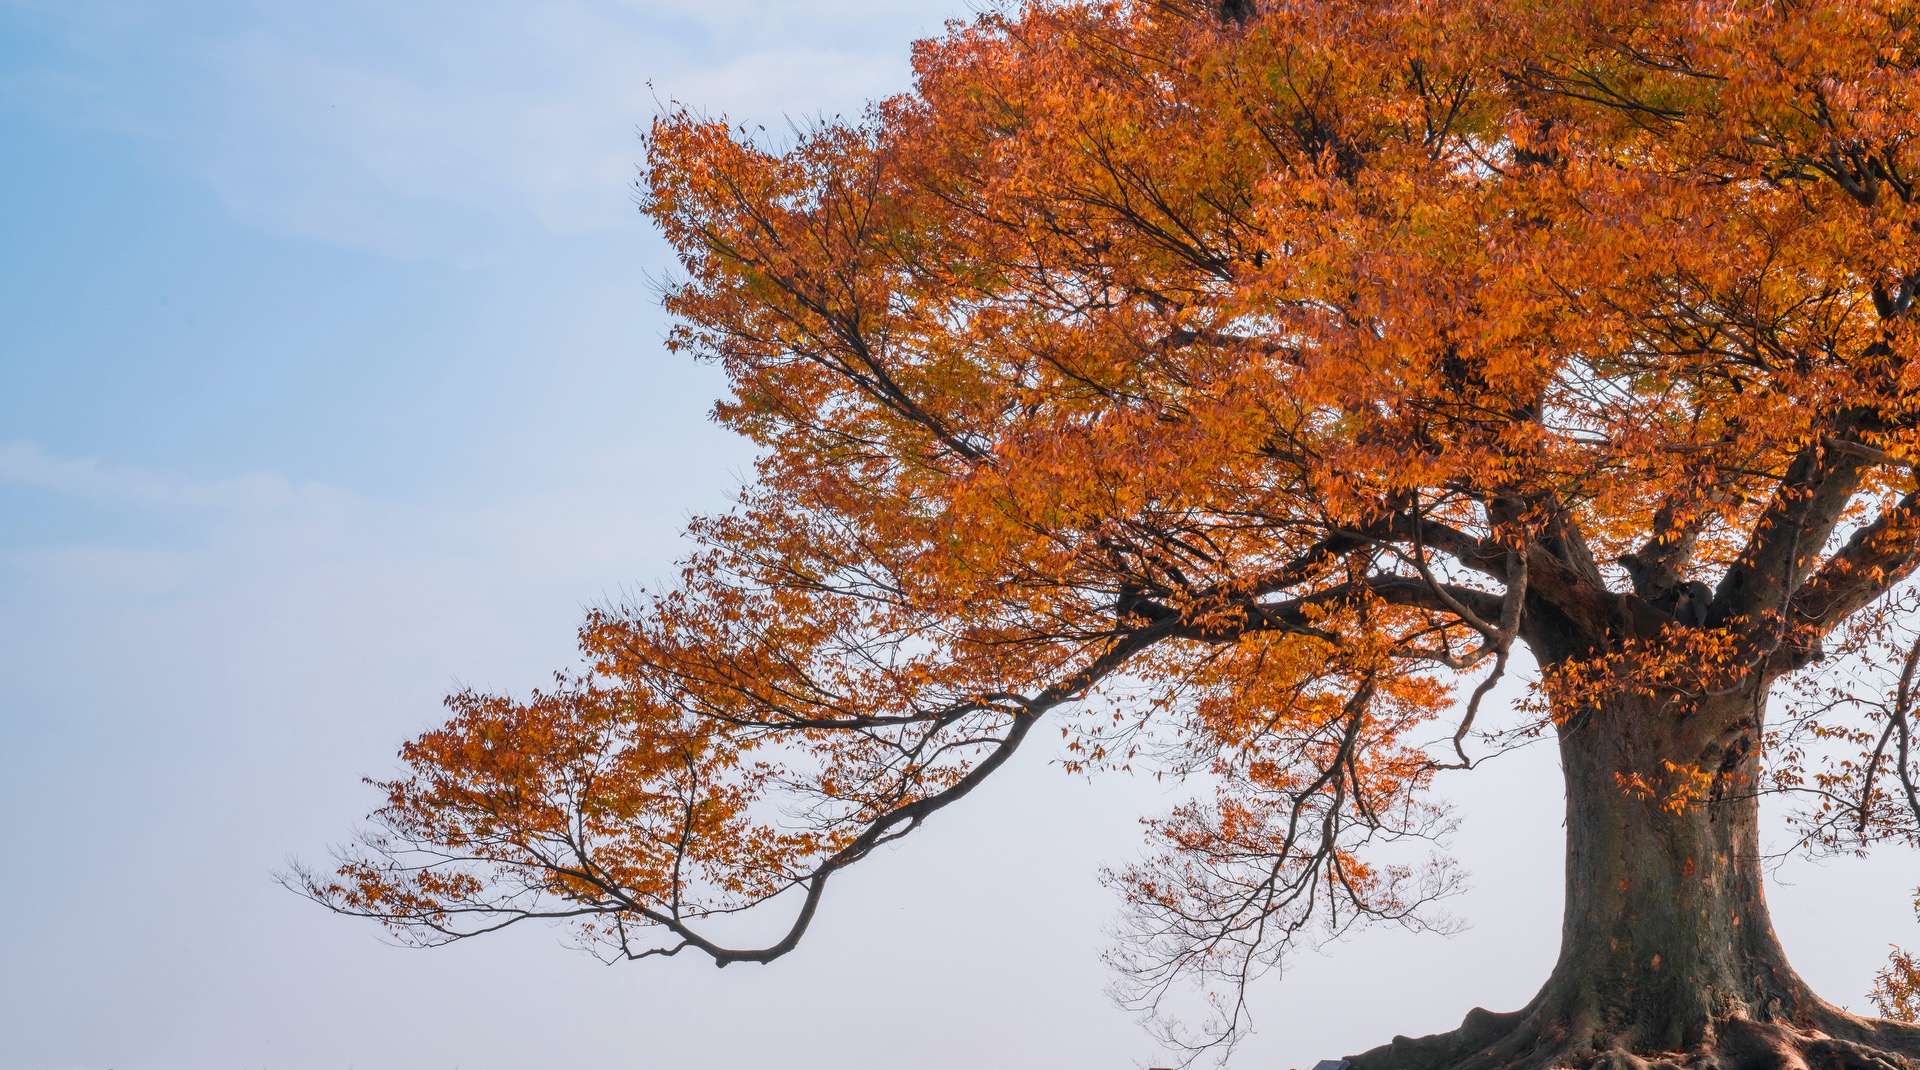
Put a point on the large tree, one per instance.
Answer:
(1236, 388)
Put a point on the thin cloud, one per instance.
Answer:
(25, 464)
(440, 131)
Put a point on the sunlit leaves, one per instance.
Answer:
(1238, 395)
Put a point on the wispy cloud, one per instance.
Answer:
(434, 129)
(206, 533)
(25, 464)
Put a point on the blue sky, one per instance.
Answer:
(330, 379)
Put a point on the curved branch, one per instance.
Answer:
(1873, 561)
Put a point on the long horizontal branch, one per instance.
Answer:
(1297, 615)
(897, 821)
(902, 819)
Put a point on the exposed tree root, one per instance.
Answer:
(1821, 1037)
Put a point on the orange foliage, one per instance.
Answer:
(1896, 989)
(1224, 391)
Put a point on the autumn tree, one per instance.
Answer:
(1236, 389)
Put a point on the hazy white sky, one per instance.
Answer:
(329, 381)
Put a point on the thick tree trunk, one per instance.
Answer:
(1667, 952)
(1666, 928)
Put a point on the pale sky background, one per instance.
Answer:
(329, 381)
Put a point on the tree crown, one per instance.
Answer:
(1236, 387)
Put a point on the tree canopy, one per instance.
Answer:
(1232, 390)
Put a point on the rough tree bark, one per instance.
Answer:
(1668, 956)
